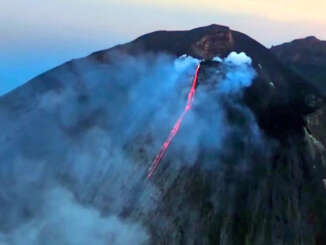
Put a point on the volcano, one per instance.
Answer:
(246, 167)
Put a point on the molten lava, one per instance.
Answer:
(176, 127)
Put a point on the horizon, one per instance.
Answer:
(45, 35)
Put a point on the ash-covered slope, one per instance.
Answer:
(307, 57)
(243, 169)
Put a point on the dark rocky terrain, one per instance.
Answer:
(256, 176)
(307, 57)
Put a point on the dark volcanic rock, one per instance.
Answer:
(270, 192)
(307, 57)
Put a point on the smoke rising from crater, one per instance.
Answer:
(75, 155)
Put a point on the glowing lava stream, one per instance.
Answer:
(176, 127)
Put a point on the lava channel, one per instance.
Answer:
(176, 127)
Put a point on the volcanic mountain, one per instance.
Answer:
(246, 167)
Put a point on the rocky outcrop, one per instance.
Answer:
(316, 126)
(218, 42)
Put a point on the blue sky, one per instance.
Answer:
(37, 35)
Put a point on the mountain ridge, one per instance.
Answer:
(306, 57)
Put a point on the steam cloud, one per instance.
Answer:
(74, 160)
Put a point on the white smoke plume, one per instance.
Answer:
(239, 74)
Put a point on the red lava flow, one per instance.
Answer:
(176, 127)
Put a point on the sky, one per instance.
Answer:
(37, 35)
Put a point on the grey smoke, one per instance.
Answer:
(61, 220)
(74, 159)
